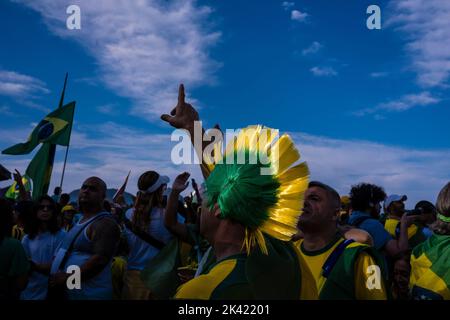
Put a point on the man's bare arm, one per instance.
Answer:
(393, 247)
(105, 235)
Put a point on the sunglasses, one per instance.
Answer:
(44, 206)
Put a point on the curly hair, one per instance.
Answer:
(364, 196)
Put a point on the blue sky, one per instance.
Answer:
(362, 105)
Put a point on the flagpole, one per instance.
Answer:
(61, 102)
(65, 161)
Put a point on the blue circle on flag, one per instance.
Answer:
(45, 130)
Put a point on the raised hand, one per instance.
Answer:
(181, 182)
(17, 177)
(183, 115)
(23, 194)
(194, 184)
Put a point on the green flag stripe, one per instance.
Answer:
(40, 168)
(54, 128)
(437, 250)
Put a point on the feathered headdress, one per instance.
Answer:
(256, 183)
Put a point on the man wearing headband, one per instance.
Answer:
(430, 260)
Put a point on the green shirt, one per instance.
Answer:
(13, 263)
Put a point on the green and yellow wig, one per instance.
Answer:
(265, 192)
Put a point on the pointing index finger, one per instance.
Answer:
(181, 95)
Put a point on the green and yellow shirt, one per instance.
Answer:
(415, 234)
(430, 269)
(225, 279)
(348, 277)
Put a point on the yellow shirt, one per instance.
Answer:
(391, 224)
(312, 282)
(118, 269)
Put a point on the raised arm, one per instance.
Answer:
(23, 194)
(170, 216)
(197, 192)
(396, 247)
(183, 116)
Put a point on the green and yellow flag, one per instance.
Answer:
(430, 269)
(13, 191)
(55, 128)
(40, 169)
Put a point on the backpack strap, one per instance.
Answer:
(334, 256)
(63, 254)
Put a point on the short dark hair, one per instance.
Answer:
(57, 190)
(334, 195)
(65, 197)
(364, 196)
(426, 207)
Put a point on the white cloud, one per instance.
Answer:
(426, 25)
(110, 150)
(143, 48)
(14, 84)
(323, 71)
(379, 74)
(312, 49)
(297, 15)
(23, 89)
(341, 163)
(109, 109)
(287, 5)
(406, 102)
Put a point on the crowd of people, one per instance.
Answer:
(238, 235)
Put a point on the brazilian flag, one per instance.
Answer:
(55, 128)
(40, 169)
(13, 191)
(430, 269)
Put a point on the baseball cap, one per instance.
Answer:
(394, 198)
(68, 208)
